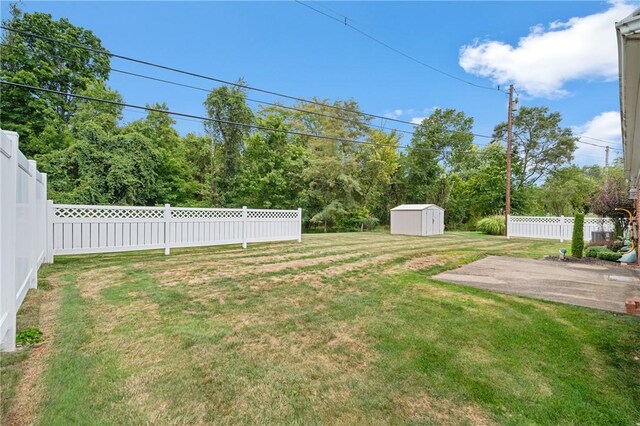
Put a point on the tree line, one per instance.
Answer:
(93, 157)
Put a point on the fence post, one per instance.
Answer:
(508, 226)
(49, 230)
(562, 226)
(244, 227)
(167, 229)
(299, 224)
(8, 237)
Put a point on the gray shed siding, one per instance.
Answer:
(420, 220)
(406, 222)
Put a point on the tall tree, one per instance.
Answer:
(36, 62)
(568, 190)
(174, 184)
(540, 144)
(378, 164)
(441, 144)
(272, 165)
(227, 105)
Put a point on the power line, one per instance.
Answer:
(205, 77)
(207, 119)
(273, 104)
(388, 46)
(277, 105)
(599, 146)
(596, 139)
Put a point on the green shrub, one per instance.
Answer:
(29, 336)
(577, 243)
(593, 251)
(608, 255)
(492, 225)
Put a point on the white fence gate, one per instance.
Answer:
(23, 236)
(79, 229)
(33, 230)
(554, 227)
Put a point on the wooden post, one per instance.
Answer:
(299, 224)
(167, 229)
(507, 210)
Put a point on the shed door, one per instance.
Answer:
(437, 226)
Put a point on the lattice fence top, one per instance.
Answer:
(186, 213)
(558, 219)
(99, 212)
(534, 219)
(272, 214)
(597, 220)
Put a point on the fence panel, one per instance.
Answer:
(554, 227)
(23, 236)
(191, 227)
(78, 229)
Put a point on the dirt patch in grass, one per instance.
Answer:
(92, 282)
(30, 389)
(417, 264)
(423, 262)
(423, 407)
(217, 271)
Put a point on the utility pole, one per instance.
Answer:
(507, 210)
(606, 158)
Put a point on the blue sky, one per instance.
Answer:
(559, 54)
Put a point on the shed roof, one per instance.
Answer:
(415, 207)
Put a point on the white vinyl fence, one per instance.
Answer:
(23, 236)
(97, 229)
(33, 230)
(554, 227)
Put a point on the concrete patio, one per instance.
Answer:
(597, 286)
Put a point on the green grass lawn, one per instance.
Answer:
(340, 329)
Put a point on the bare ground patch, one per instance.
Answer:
(30, 389)
(213, 271)
(423, 407)
(93, 281)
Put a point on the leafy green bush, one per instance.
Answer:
(29, 336)
(593, 251)
(608, 255)
(577, 243)
(492, 225)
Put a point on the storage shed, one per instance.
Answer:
(417, 219)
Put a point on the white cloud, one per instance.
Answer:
(603, 128)
(413, 115)
(544, 60)
(394, 114)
